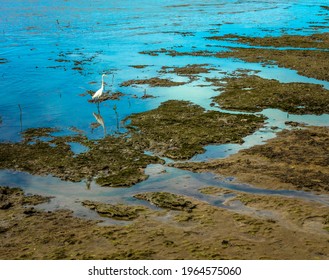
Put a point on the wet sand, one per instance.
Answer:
(292, 229)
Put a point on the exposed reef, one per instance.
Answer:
(309, 54)
(153, 82)
(180, 129)
(117, 211)
(167, 200)
(252, 93)
(306, 54)
(297, 159)
(190, 69)
(317, 41)
(112, 161)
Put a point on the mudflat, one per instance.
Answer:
(176, 226)
(291, 229)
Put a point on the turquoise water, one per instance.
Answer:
(54, 51)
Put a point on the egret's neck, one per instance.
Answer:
(102, 81)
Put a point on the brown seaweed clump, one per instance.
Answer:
(9, 197)
(167, 200)
(113, 161)
(253, 93)
(190, 69)
(153, 82)
(180, 129)
(118, 211)
(318, 41)
(308, 54)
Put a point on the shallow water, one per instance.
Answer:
(43, 41)
(68, 195)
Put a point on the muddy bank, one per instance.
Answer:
(296, 159)
(180, 129)
(252, 93)
(111, 161)
(288, 212)
(206, 232)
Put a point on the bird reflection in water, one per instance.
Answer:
(100, 122)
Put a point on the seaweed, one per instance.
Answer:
(167, 200)
(252, 93)
(112, 161)
(180, 129)
(118, 211)
(153, 82)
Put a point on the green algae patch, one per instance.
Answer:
(118, 211)
(253, 93)
(167, 200)
(153, 82)
(111, 161)
(180, 129)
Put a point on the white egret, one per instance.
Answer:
(99, 92)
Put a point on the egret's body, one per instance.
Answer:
(99, 92)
